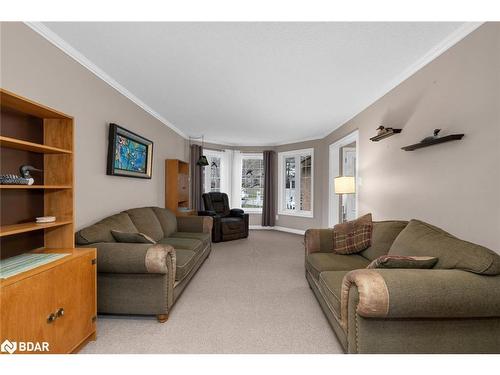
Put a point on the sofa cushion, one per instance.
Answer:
(101, 231)
(422, 239)
(384, 234)
(167, 220)
(320, 262)
(330, 286)
(183, 243)
(131, 237)
(399, 261)
(353, 236)
(185, 260)
(146, 222)
(200, 236)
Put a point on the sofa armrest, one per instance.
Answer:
(197, 224)
(421, 293)
(318, 240)
(117, 257)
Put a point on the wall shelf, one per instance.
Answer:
(385, 134)
(19, 144)
(436, 141)
(9, 230)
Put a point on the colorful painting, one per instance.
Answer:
(129, 154)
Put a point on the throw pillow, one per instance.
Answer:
(129, 237)
(353, 236)
(396, 261)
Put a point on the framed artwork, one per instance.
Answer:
(129, 154)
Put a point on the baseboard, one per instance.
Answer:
(278, 228)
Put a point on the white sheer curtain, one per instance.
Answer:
(227, 168)
(235, 197)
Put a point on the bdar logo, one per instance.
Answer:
(8, 346)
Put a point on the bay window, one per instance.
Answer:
(295, 183)
(252, 182)
(213, 172)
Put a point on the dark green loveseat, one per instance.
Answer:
(452, 308)
(141, 278)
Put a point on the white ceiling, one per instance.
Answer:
(256, 83)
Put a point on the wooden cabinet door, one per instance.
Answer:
(25, 307)
(76, 296)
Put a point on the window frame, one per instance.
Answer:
(250, 155)
(213, 153)
(282, 210)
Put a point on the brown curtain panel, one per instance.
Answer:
(269, 206)
(196, 178)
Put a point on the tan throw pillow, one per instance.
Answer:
(397, 261)
(353, 236)
(128, 237)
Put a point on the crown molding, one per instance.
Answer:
(64, 46)
(432, 54)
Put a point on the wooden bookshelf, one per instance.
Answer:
(36, 187)
(18, 144)
(9, 230)
(177, 187)
(37, 135)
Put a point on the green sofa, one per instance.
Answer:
(452, 308)
(145, 278)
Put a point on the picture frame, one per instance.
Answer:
(129, 154)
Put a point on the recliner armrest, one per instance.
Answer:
(119, 257)
(236, 212)
(421, 293)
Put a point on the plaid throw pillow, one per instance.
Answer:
(353, 236)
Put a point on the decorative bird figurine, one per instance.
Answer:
(432, 137)
(381, 130)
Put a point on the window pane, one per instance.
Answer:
(305, 183)
(212, 174)
(290, 184)
(252, 183)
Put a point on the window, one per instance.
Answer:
(212, 173)
(252, 182)
(296, 182)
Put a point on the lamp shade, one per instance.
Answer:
(202, 161)
(344, 185)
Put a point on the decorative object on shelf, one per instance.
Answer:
(129, 154)
(383, 132)
(433, 140)
(432, 137)
(14, 179)
(24, 179)
(45, 219)
(344, 185)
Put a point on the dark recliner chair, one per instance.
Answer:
(227, 224)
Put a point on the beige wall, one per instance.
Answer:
(34, 68)
(454, 185)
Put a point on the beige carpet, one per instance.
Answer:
(250, 296)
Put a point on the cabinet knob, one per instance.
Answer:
(60, 312)
(51, 318)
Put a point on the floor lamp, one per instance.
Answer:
(344, 185)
